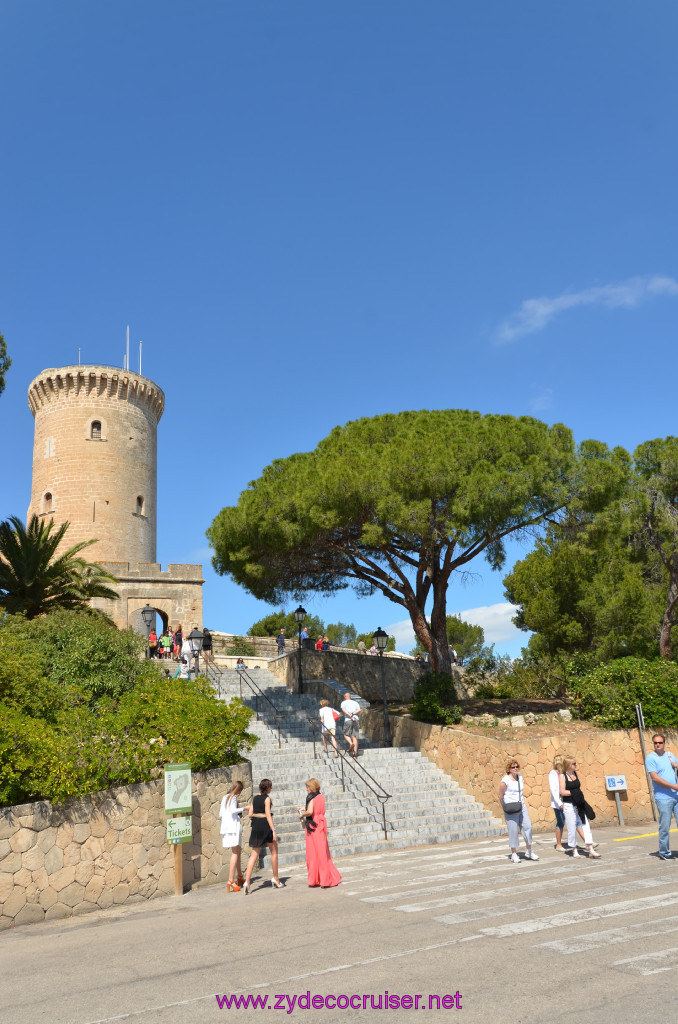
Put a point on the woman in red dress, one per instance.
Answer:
(321, 870)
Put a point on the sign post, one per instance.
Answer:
(178, 809)
(616, 784)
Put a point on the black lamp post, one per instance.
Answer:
(148, 614)
(380, 640)
(300, 615)
(195, 639)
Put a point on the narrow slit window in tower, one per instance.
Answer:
(47, 502)
(140, 506)
(96, 430)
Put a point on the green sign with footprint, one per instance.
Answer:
(178, 789)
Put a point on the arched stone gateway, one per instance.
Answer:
(95, 465)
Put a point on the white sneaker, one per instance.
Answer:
(514, 858)
(531, 855)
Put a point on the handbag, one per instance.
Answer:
(514, 806)
(335, 715)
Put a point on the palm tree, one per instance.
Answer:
(35, 580)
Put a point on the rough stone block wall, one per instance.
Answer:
(477, 762)
(358, 672)
(108, 849)
(96, 482)
(176, 594)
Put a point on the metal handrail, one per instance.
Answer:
(256, 691)
(214, 675)
(360, 770)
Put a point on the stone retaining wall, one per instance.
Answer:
(108, 848)
(358, 672)
(477, 763)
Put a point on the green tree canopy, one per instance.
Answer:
(5, 363)
(468, 640)
(656, 464)
(398, 503)
(271, 625)
(339, 634)
(589, 587)
(35, 578)
(608, 584)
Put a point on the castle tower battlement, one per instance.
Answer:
(95, 458)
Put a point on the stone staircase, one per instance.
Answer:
(425, 805)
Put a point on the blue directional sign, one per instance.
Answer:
(615, 783)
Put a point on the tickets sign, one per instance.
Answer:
(180, 830)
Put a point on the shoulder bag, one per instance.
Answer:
(515, 806)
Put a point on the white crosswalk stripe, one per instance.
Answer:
(651, 963)
(478, 884)
(612, 936)
(551, 900)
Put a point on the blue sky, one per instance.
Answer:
(312, 212)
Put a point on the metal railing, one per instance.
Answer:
(361, 773)
(214, 675)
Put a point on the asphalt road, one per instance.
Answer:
(554, 941)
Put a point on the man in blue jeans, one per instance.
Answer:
(661, 765)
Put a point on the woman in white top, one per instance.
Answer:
(512, 792)
(557, 800)
(328, 722)
(231, 834)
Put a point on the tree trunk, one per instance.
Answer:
(669, 612)
(441, 659)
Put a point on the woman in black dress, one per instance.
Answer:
(262, 834)
(573, 808)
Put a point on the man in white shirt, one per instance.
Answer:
(351, 710)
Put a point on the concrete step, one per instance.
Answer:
(354, 816)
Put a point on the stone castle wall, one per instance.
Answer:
(360, 673)
(477, 762)
(175, 593)
(104, 485)
(107, 849)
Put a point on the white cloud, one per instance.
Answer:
(535, 314)
(494, 618)
(404, 635)
(542, 401)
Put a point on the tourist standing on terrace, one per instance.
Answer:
(661, 766)
(351, 710)
(512, 796)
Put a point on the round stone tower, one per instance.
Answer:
(95, 458)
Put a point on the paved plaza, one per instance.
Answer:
(542, 943)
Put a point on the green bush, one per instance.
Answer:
(241, 648)
(608, 694)
(521, 679)
(435, 700)
(72, 649)
(494, 691)
(80, 711)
